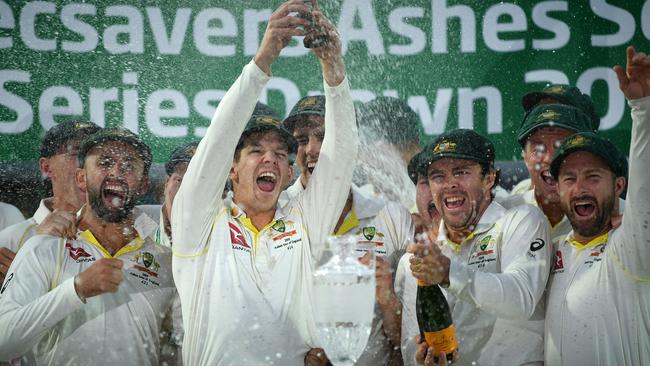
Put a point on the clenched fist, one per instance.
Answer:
(105, 275)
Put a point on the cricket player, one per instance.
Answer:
(57, 162)
(493, 263)
(599, 293)
(553, 94)
(384, 224)
(243, 266)
(539, 135)
(100, 298)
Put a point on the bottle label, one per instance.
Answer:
(443, 340)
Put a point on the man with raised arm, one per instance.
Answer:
(599, 288)
(243, 266)
(100, 298)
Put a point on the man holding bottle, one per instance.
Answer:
(492, 263)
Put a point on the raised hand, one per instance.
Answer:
(329, 54)
(59, 223)
(105, 275)
(282, 25)
(428, 264)
(634, 81)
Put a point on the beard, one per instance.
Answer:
(595, 225)
(109, 214)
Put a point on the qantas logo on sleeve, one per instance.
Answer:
(237, 238)
(79, 254)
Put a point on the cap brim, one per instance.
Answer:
(527, 132)
(424, 163)
(288, 137)
(557, 161)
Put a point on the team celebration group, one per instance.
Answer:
(554, 272)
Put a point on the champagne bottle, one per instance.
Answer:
(434, 319)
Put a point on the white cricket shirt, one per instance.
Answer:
(598, 309)
(246, 293)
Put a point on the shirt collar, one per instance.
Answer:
(490, 216)
(42, 211)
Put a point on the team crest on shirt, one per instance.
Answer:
(483, 252)
(146, 269)
(79, 254)
(370, 235)
(146, 262)
(369, 232)
(485, 241)
(279, 226)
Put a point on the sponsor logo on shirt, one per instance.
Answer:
(284, 235)
(536, 245)
(79, 255)
(595, 255)
(237, 239)
(7, 280)
(558, 264)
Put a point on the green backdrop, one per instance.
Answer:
(160, 67)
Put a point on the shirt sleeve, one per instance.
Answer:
(28, 306)
(328, 189)
(525, 265)
(630, 247)
(199, 197)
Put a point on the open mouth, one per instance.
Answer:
(114, 194)
(548, 178)
(311, 166)
(266, 181)
(584, 207)
(454, 202)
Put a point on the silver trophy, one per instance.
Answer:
(344, 300)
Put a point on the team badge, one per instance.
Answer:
(309, 102)
(549, 115)
(147, 260)
(369, 232)
(555, 89)
(444, 146)
(279, 226)
(485, 241)
(578, 140)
